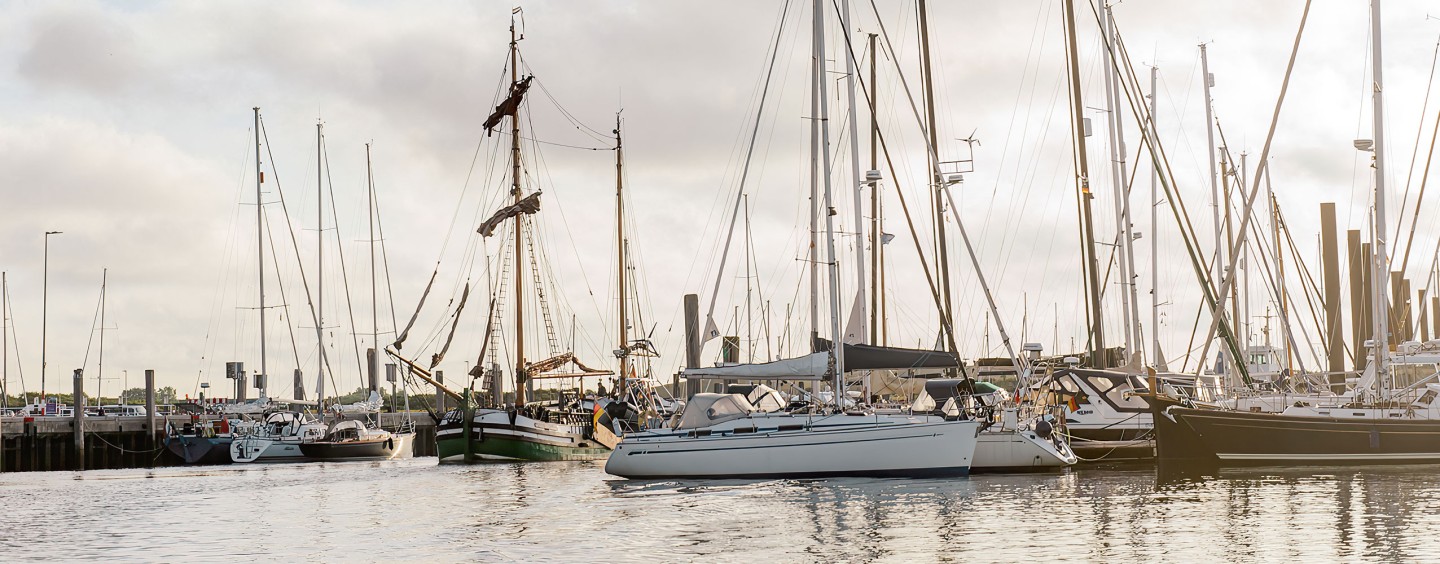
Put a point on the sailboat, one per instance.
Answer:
(562, 428)
(359, 439)
(726, 436)
(1373, 423)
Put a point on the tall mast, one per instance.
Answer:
(1155, 358)
(320, 261)
(624, 322)
(374, 291)
(1381, 270)
(832, 267)
(100, 364)
(857, 178)
(817, 67)
(520, 375)
(875, 225)
(1082, 170)
(1208, 80)
(937, 183)
(5, 340)
(260, 237)
(1130, 303)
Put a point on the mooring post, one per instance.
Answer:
(150, 408)
(78, 411)
(467, 418)
(692, 342)
(440, 392)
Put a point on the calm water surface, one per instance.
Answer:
(416, 510)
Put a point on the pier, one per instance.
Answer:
(47, 443)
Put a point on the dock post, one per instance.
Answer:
(78, 411)
(692, 342)
(150, 408)
(439, 392)
(467, 418)
(1330, 265)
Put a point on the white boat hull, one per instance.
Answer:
(810, 446)
(252, 449)
(1019, 450)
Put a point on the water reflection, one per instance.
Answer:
(416, 510)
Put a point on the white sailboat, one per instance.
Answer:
(725, 436)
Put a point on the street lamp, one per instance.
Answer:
(44, 310)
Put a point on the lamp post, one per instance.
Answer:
(44, 310)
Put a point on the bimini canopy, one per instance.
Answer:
(814, 365)
(705, 410)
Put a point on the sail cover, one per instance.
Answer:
(508, 107)
(814, 365)
(530, 205)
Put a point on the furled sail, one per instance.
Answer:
(508, 107)
(400, 341)
(814, 366)
(437, 357)
(529, 205)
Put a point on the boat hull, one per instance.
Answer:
(199, 450)
(1019, 450)
(502, 435)
(1234, 438)
(397, 445)
(826, 447)
(253, 449)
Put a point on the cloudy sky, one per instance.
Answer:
(129, 128)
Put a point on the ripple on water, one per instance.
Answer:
(417, 510)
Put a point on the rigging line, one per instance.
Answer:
(223, 273)
(284, 302)
(1173, 197)
(294, 243)
(14, 338)
(745, 171)
(1414, 152)
(93, 322)
(344, 272)
(1424, 180)
(532, 139)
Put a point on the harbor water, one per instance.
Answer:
(416, 510)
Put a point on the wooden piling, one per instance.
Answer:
(692, 341)
(78, 410)
(440, 392)
(1357, 296)
(1330, 262)
(155, 436)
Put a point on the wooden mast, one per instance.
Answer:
(624, 322)
(520, 376)
(1082, 171)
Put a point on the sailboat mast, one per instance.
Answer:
(5, 339)
(374, 291)
(1082, 170)
(1119, 172)
(832, 267)
(100, 364)
(875, 225)
(520, 376)
(1381, 270)
(937, 182)
(1155, 359)
(817, 66)
(320, 262)
(1221, 250)
(624, 322)
(857, 178)
(260, 236)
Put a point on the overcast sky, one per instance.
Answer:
(129, 128)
